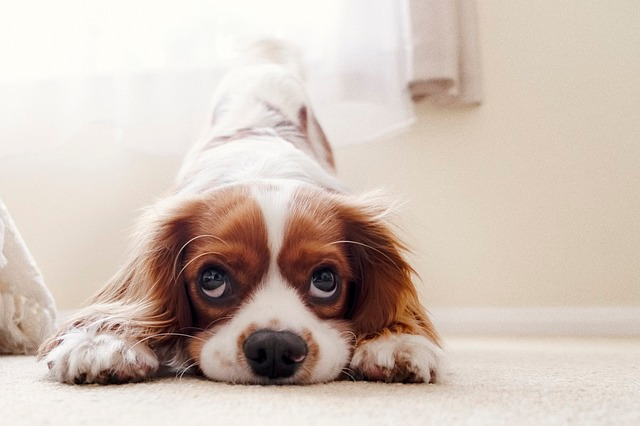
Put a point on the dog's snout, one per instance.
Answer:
(275, 354)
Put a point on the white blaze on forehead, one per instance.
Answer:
(275, 205)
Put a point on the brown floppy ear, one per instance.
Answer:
(146, 300)
(384, 298)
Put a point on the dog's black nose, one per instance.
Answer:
(274, 354)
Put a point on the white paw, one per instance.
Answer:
(88, 357)
(397, 358)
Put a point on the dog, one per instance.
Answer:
(260, 266)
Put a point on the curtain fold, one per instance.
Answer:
(147, 68)
(443, 51)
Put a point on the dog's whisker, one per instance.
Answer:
(186, 370)
(184, 246)
(380, 252)
(185, 367)
(168, 334)
(212, 323)
(350, 335)
(349, 373)
(193, 260)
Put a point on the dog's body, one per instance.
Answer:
(260, 267)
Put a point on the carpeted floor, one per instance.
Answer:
(510, 381)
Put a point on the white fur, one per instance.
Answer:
(274, 204)
(257, 159)
(274, 303)
(88, 356)
(241, 103)
(384, 356)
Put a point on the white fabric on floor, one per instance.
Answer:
(27, 309)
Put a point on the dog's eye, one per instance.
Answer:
(324, 284)
(215, 283)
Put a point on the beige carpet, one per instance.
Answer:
(491, 381)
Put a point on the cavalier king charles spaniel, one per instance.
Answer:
(260, 267)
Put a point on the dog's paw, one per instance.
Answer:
(397, 357)
(89, 357)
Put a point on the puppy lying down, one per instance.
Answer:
(260, 266)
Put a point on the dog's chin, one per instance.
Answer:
(248, 378)
(244, 376)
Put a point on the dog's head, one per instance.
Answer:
(275, 283)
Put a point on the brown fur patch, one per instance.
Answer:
(311, 129)
(311, 243)
(228, 232)
(331, 229)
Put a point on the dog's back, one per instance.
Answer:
(262, 98)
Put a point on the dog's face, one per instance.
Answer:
(280, 281)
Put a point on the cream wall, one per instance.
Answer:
(533, 199)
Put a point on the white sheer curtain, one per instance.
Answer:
(149, 67)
